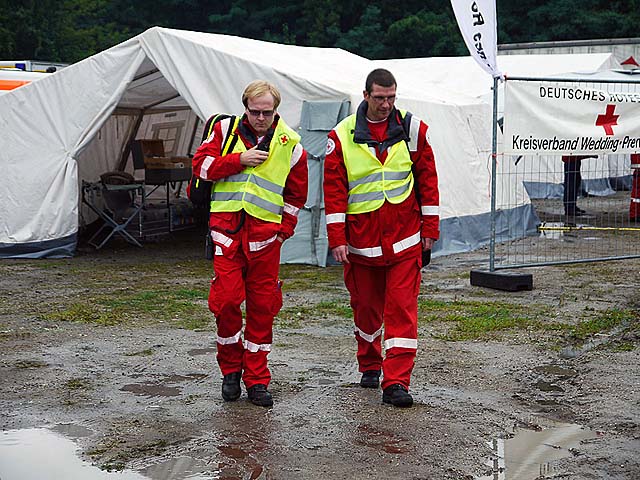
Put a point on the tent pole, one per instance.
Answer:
(494, 159)
(127, 148)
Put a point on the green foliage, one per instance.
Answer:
(184, 308)
(431, 35)
(604, 322)
(472, 320)
(70, 30)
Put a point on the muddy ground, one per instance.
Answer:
(120, 341)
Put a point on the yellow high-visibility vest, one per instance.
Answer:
(370, 181)
(258, 190)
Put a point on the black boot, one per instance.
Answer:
(231, 386)
(259, 395)
(370, 379)
(397, 395)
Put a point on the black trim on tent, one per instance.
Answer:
(59, 248)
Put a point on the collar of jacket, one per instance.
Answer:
(248, 133)
(395, 129)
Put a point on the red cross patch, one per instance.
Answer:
(284, 139)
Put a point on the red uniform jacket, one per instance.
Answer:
(393, 227)
(209, 165)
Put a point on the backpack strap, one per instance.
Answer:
(230, 137)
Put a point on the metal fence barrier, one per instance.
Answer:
(601, 229)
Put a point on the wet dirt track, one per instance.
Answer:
(148, 408)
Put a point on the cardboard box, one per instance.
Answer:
(145, 149)
(149, 155)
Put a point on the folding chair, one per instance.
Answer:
(119, 190)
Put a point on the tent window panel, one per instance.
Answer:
(169, 133)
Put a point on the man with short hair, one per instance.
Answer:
(382, 206)
(260, 176)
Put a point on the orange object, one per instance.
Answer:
(11, 84)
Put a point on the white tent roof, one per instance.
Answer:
(51, 122)
(462, 74)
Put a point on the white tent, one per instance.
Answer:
(76, 124)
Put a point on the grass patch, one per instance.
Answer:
(179, 307)
(623, 347)
(292, 317)
(603, 322)
(86, 313)
(474, 320)
(31, 364)
(308, 277)
(147, 352)
(78, 384)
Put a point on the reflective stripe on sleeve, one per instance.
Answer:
(254, 347)
(430, 210)
(296, 154)
(414, 131)
(366, 336)
(336, 218)
(229, 340)
(291, 210)
(401, 342)
(204, 168)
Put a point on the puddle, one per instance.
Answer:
(48, 453)
(597, 340)
(547, 386)
(151, 390)
(531, 453)
(562, 373)
(370, 436)
(551, 230)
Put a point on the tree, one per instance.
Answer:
(424, 34)
(364, 39)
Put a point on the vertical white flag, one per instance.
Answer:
(478, 25)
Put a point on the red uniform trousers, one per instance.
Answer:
(251, 276)
(386, 295)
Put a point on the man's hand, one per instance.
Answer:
(427, 243)
(340, 254)
(253, 157)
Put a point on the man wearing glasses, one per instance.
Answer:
(260, 174)
(381, 201)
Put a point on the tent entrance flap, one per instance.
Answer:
(309, 244)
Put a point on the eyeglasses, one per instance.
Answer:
(257, 113)
(381, 99)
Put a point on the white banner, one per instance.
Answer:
(540, 118)
(477, 22)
